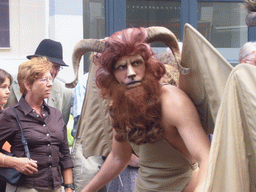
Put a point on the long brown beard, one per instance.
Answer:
(136, 112)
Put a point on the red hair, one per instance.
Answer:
(136, 114)
(32, 70)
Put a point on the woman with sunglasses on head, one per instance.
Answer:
(44, 130)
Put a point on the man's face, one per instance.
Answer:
(130, 70)
(55, 70)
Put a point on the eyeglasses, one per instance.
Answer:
(46, 80)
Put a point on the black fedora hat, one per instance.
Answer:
(51, 49)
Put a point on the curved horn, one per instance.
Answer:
(167, 37)
(80, 49)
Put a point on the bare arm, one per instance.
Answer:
(115, 163)
(21, 164)
(180, 112)
(68, 178)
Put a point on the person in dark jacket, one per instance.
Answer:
(44, 129)
(5, 83)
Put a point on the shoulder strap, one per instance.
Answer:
(23, 139)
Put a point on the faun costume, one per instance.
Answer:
(228, 109)
(161, 170)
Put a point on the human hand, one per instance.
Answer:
(25, 165)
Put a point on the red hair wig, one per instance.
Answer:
(129, 41)
(142, 125)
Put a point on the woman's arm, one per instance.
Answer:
(21, 164)
(115, 163)
(68, 178)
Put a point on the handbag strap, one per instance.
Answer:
(23, 139)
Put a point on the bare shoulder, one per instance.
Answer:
(176, 105)
(172, 95)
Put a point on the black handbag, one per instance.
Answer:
(10, 175)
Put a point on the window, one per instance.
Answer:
(4, 24)
(94, 19)
(222, 23)
(154, 13)
(147, 13)
(94, 24)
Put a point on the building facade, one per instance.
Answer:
(30, 21)
(222, 22)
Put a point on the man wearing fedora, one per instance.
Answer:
(60, 96)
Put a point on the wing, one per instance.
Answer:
(94, 123)
(226, 100)
(232, 162)
(206, 81)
